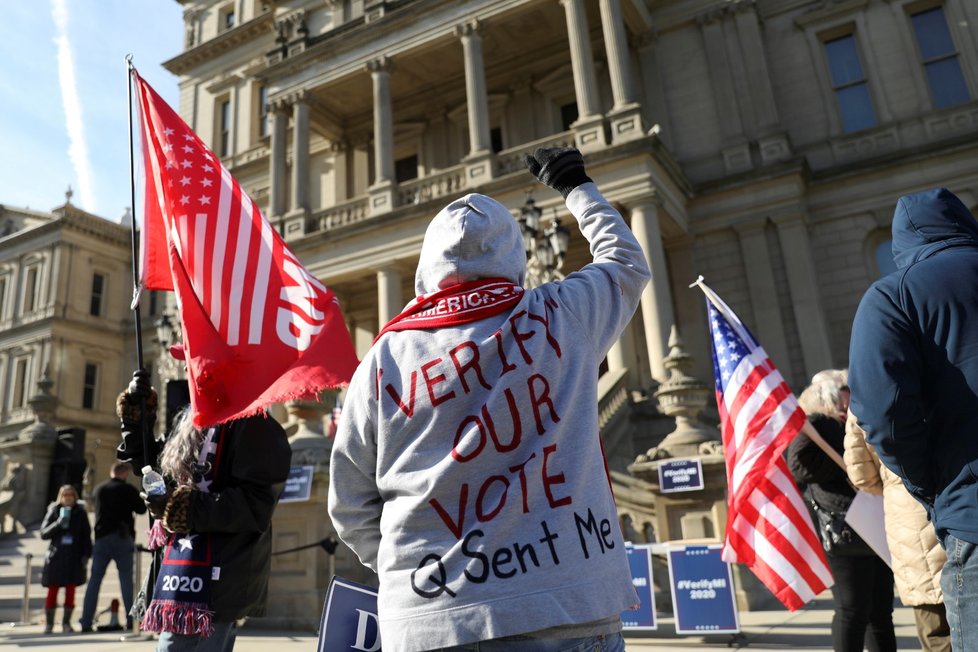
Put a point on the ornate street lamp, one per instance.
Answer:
(164, 330)
(545, 248)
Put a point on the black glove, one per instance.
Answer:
(139, 386)
(561, 168)
(156, 503)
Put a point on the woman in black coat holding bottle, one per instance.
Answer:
(67, 528)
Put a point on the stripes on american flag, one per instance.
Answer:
(769, 527)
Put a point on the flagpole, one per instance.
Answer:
(147, 436)
(133, 235)
(807, 427)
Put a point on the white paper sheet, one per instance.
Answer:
(865, 515)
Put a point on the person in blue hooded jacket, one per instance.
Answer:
(913, 373)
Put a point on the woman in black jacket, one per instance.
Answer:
(214, 523)
(863, 589)
(66, 526)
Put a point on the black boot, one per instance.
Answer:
(66, 621)
(48, 621)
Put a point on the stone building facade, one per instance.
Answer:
(760, 143)
(65, 286)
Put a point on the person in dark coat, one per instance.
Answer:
(115, 531)
(223, 485)
(863, 590)
(913, 360)
(66, 526)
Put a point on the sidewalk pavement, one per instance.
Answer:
(806, 629)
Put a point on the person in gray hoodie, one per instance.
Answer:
(467, 469)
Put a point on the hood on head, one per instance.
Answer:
(926, 222)
(473, 237)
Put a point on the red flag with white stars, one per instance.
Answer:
(258, 328)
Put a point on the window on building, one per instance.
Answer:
(568, 115)
(227, 17)
(884, 258)
(89, 386)
(224, 126)
(496, 139)
(32, 277)
(849, 84)
(406, 168)
(939, 58)
(19, 396)
(98, 292)
(262, 112)
(3, 296)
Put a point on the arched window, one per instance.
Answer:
(884, 257)
(878, 252)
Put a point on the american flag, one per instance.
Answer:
(258, 328)
(769, 527)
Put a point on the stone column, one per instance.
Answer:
(382, 191)
(300, 153)
(475, 86)
(389, 301)
(767, 323)
(796, 249)
(276, 174)
(478, 163)
(622, 355)
(657, 312)
(735, 148)
(626, 114)
(589, 127)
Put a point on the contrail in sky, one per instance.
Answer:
(77, 149)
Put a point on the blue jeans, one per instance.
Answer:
(222, 640)
(959, 581)
(608, 643)
(112, 547)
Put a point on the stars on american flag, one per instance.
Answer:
(728, 348)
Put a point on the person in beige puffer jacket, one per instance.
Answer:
(917, 556)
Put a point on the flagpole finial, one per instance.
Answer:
(129, 60)
(699, 281)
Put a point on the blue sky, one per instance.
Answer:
(63, 108)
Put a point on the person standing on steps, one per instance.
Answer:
(66, 526)
(115, 534)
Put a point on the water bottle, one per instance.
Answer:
(153, 483)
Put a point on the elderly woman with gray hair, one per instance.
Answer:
(863, 590)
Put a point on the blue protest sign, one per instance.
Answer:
(702, 591)
(640, 562)
(298, 486)
(349, 618)
(680, 475)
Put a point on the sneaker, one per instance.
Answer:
(85, 629)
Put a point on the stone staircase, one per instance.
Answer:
(14, 549)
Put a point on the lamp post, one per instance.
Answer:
(167, 368)
(545, 248)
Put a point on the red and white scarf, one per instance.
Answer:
(456, 305)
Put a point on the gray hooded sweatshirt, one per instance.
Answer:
(467, 469)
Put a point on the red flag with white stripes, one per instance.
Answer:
(769, 527)
(258, 328)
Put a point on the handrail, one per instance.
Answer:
(328, 544)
